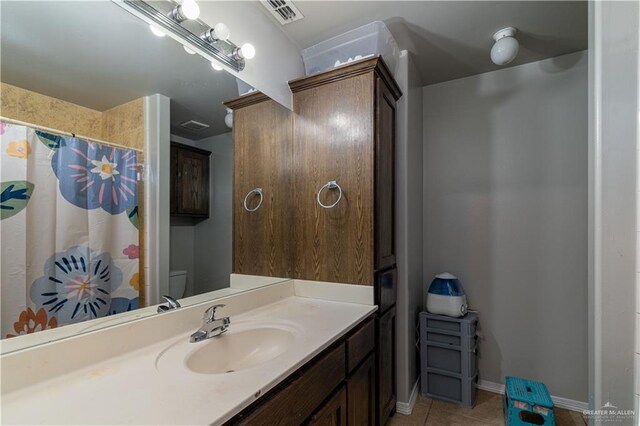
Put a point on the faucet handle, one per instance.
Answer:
(210, 313)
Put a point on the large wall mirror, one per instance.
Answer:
(76, 139)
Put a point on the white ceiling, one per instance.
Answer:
(97, 55)
(451, 39)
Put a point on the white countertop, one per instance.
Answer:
(130, 389)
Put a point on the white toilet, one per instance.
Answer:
(177, 284)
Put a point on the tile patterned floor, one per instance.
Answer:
(487, 412)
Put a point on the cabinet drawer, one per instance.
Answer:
(360, 343)
(385, 291)
(333, 412)
(293, 404)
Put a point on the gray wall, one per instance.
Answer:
(213, 236)
(203, 248)
(408, 223)
(505, 209)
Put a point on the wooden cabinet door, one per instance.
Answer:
(385, 135)
(361, 398)
(386, 368)
(193, 183)
(189, 186)
(262, 151)
(334, 141)
(333, 412)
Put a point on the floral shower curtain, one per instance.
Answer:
(68, 228)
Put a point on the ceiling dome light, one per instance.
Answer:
(216, 66)
(156, 31)
(506, 47)
(189, 51)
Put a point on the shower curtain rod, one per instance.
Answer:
(63, 133)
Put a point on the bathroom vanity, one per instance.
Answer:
(295, 352)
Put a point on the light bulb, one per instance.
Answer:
(228, 119)
(221, 31)
(248, 51)
(216, 66)
(190, 9)
(156, 31)
(506, 46)
(189, 51)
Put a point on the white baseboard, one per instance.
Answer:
(406, 408)
(558, 401)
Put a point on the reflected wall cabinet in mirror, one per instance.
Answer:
(189, 181)
(327, 191)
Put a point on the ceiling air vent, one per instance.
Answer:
(284, 10)
(194, 126)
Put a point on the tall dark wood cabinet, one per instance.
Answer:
(189, 191)
(262, 211)
(344, 132)
(327, 172)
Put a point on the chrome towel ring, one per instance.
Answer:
(253, 191)
(332, 184)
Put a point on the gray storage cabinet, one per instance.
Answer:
(448, 357)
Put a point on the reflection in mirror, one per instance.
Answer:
(74, 169)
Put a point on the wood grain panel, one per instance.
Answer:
(333, 412)
(262, 144)
(361, 398)
(193, 190)
(296, 402)
(360, 343)
(386, 359)
(333, 133)
(385, 177)
(386, 289)
(189, 187)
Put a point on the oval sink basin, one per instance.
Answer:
(232, 352)
(245, 345)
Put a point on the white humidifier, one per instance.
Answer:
(446, 296)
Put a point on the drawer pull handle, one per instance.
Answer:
(253, 191)
(332, 184)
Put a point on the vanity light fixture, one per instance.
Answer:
(189, 9)
(506, 46)
(179, 21)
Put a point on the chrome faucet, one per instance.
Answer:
(171, 304)
(212, 326)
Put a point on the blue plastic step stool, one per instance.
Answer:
(527, 403)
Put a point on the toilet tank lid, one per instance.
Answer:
(177, 273)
